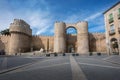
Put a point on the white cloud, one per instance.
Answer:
(5, 20)
(38, 19)
(93, 16)
(75, 17)
(42, 30)
(95, 20)
(42, 20)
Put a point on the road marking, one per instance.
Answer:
(99, 65)
(77, 73)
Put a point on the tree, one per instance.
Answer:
(5, 32)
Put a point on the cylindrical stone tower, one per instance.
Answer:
(59, 37)
(82, 38)
(20, 36)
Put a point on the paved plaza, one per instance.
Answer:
(82, 67)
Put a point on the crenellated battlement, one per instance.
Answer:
(81, 22)
(59, 22)
(19, 22)
(42, 36)
(20, 26)
(4, 35)
(97, 35)
(20, 36)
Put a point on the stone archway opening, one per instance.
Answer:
(71, 39)
(114, 46)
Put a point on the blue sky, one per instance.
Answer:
(41, 14)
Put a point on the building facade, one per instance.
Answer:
(112, 26)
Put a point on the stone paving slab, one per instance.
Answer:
(10, 62)
(115, 59)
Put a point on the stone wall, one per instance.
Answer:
(82, 38)
(20, 40)
(4, 43)
(97, 42)
(44, 42)
(59, 37)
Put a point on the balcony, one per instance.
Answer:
(118, 16)
(112, 32)
(111, 20)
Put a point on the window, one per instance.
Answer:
(110, 18)
(119, 13)
(112, 29)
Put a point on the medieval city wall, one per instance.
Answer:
(44, 42)
(4, 43)
(59, 37)
(20, 40)
(97, 42)
(82, 37)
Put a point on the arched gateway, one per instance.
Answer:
(82, 37)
